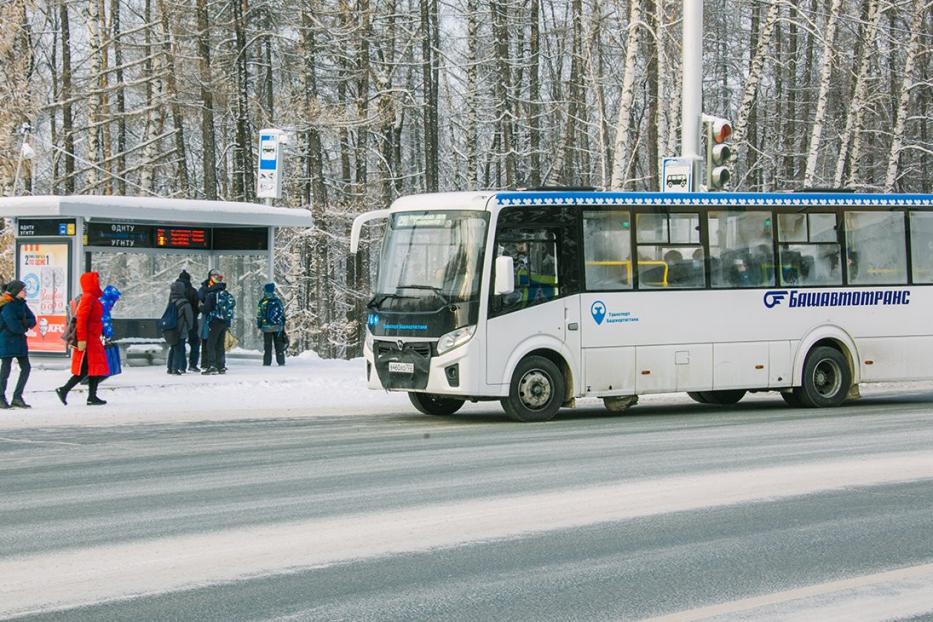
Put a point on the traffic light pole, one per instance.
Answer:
(692, 93)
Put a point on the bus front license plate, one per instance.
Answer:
(401, 368)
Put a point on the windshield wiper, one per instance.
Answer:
(378, 299)
(437, 291)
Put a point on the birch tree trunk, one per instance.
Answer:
(95, 104)
(750, 94)
(907, 84)
(623, 148)
(826, 70)
(855, 122)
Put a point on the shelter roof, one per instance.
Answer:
(154, 209)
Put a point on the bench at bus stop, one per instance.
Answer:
(139, 341)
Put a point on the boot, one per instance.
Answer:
(95, 401)
(3, 403)
(62, 394)
(18, 403)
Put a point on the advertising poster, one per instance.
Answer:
(44, 268)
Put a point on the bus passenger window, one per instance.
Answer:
(677, 261)
(662, 267)
(808, 249)
(921, 246)
(607, 249)
(740, 247)
(876, 252)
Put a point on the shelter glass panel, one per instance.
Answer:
(245, 276)
(144, 279)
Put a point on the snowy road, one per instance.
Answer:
(677, 511)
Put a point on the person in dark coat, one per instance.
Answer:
(216, 358)
(270, 319)
(176, 356)
(194, 340)
(88, 359)
(15, 320)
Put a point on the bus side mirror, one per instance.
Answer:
(505, 276)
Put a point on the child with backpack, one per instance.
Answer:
(270, 319)
(218, 311)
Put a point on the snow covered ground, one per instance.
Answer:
(307, 386)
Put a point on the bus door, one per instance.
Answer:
(540, 305)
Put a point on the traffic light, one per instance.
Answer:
(718, 153)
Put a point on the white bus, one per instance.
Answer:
(536, 298)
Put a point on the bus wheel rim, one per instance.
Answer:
(827, 378)
(534, 389)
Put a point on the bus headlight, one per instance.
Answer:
(455, 339)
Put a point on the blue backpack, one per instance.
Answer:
(169, 319)
(168, 324)
(273, 314)
(225, 306)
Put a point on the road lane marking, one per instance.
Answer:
(896, 601)
(31, 442)
(88, 575)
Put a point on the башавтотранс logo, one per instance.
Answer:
(868, 298)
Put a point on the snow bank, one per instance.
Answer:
(306, 386)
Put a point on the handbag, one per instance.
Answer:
(112, 353)
(230, 342)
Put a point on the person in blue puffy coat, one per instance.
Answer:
(15, 320)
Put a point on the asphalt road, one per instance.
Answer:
(751, 512)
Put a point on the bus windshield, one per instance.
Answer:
(431, 259)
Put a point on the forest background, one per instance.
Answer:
(390, 97)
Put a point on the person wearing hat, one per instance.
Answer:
(270, 319)
(17, 319)
(217, 311)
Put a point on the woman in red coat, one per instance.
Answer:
(88, 359)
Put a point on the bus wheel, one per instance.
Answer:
(431, 404)
(536, 391)
(723, 398)
(697, 396)
(826, 378)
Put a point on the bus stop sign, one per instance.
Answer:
(269, 179)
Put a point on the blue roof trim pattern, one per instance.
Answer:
(713, 199)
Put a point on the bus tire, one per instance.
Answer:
(697, 396)
(433, 404)
(723, 398)
(826, 378)
(536, 391)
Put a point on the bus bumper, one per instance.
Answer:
(455, 373)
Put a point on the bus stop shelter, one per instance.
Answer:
(140, 245)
